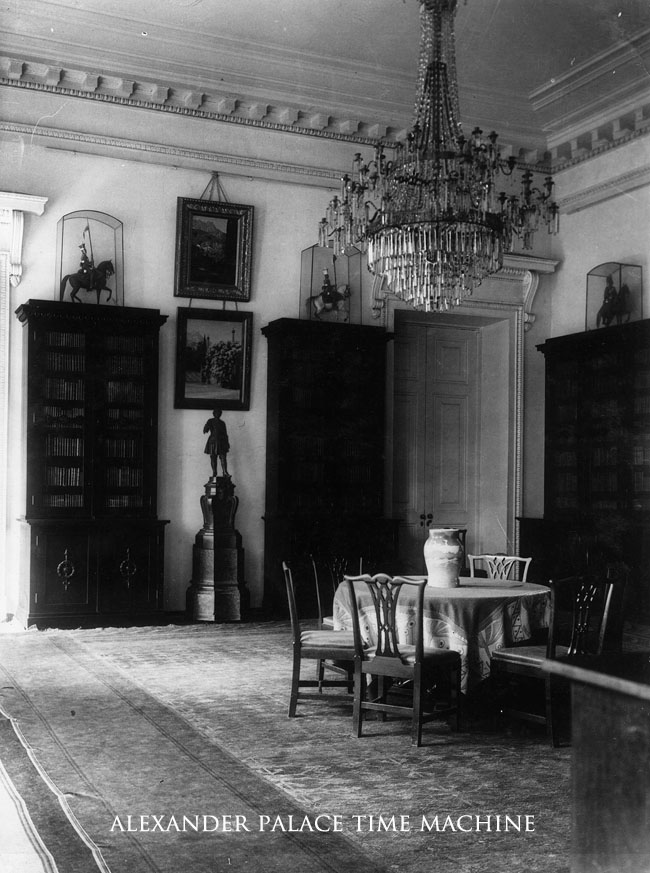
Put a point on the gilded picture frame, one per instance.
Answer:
(213, 250)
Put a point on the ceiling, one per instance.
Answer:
(532, 69)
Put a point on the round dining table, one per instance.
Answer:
(474, 619)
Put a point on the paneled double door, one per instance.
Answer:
(436, 434)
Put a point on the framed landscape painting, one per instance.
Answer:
(213, 359)
(213, 250)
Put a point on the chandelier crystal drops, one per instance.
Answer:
(430, 219)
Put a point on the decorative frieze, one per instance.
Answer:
(580, 141)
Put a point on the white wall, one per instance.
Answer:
(143, 196)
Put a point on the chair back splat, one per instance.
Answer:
(399, 657)
(328, 574)
(384, 592)
(500, 567)
(584, 601)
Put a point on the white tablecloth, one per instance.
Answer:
(473, 619)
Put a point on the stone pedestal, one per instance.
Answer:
(217, 556)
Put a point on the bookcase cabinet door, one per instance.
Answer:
(128, 563)
(63, 580)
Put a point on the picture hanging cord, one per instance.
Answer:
(214, 186)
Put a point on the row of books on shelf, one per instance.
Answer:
(124, 501)
(71, 446)
(121, 417)
(126, 448)
(131, 344)
(641, 455)
(642, 405)
(604, 481)
(65, 477)
(124, 477)
(63, 501)
(71, 362)
(72, 477)
(124, 392)
(65, 339)
(125, 365)
(641, 482)
(61, 416)
(604, 456)
(64, 389)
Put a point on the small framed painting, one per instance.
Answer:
(213, 359)
(213, 250)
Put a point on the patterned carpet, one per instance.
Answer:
(191, 720)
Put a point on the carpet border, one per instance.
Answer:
(58, 794)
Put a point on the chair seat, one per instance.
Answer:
(327, 639)
(328, 622)
(432, 657)
(526, 656)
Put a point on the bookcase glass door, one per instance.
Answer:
(60, 419)
(123, 485)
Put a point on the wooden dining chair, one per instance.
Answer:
(583, 608)
(328, 574)
(329, 648)
(401, 660)
(499, 567)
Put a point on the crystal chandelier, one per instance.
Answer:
(430, 219)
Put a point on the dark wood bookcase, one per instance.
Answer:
(325, 446)
(95, 542)
(597, 458)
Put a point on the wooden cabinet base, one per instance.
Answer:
(92, 574)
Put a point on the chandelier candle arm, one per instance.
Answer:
(431, 220)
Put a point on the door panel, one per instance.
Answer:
(449, 454)
(64, 581)
(436, 435)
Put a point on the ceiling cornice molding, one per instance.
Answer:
(612, 187)
(165, 97)
(220, 106)
(600, 139)
(149, 97)
(584, 142)
(121, 147)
